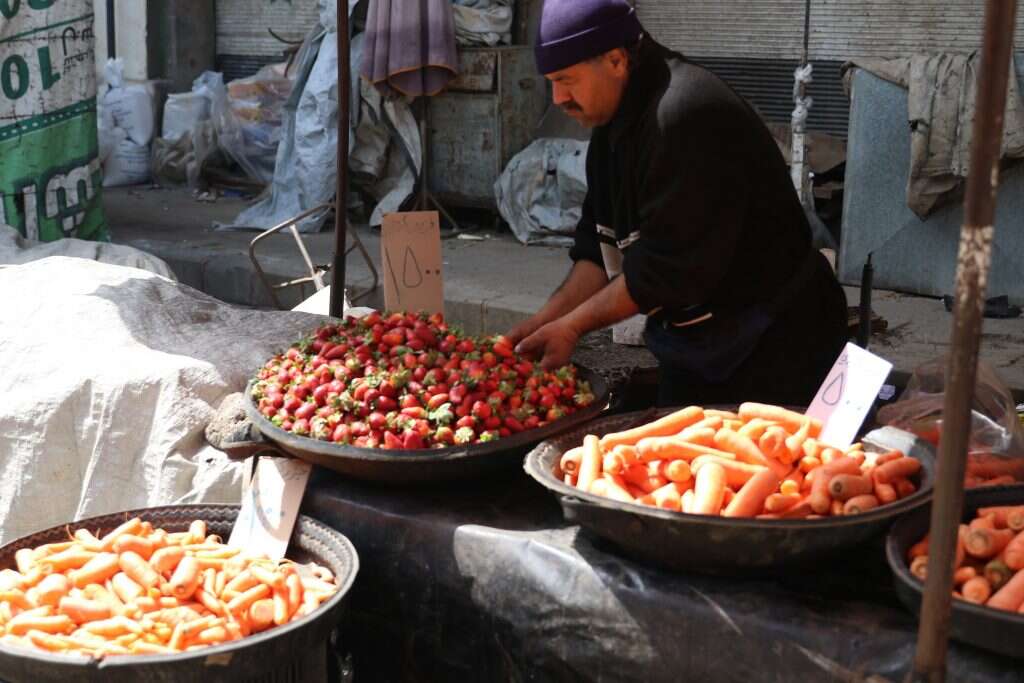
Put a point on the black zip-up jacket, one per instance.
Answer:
(688, 184)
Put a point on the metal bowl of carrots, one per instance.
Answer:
(714, 543)
(293, 651)
(989, 593)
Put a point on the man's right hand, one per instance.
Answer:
(524, 329)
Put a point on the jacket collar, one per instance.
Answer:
(644, 84)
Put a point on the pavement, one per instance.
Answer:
(490, 283)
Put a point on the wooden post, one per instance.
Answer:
(971, 279)
(341, 191)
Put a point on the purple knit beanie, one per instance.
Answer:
(573, 31)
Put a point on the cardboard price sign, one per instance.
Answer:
(411, 255)
(847, 394)
(270, 506)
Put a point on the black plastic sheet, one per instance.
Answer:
(486, 582)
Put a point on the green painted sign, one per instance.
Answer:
(50, 177)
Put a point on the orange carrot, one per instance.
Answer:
(773, 443)
(750, 500)
(669, 496)
(795, 445)
(271, 577)
(918, 549)
(743, 448)
(96, 570)
(843, 487)
(835, 508)
(1014, 552)
(964, 574)
(808, 465)
(639, 476)
(73, 558)
(88, 541)
(1010, 596)
(722, 414)
(570, 462)
(125, 588)
(686, 501)
(138, 570)
(261, 615)
(859, 504)
(885, 493)
(1001, 513)
(919, 567)
(672, 423)
(812, 449)
(24, 559)
(51, 589)
(166, 559)
(987, 543)
(677, 471)
(709, 489)
(754, 429)
(82, 610)
(612, 489)
(186, 578)
(131, 526)
(894, 469)
(244, 600)
(736, 473)
(23, 623)
(976, 590)
(780, 502)
(997, 573)
(703, 436)
(613, 463)
(142, 547)
(197, 530)
(674, 448)
(789, 419)
(904, 487)
(590, 463)
(800, 510)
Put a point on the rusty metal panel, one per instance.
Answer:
(464, 156)
(522, 101)
(478, 71)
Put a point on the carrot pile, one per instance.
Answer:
(143, 591)
(762, 461)
(989, 559)
(989, 469)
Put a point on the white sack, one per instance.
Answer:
(110, 376)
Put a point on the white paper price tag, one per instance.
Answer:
(270, 506)
(847, 394)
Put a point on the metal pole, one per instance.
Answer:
(971, 279)
(341, 192)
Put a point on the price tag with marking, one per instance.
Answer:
(847, 394)
(270, 505)
(411, 256)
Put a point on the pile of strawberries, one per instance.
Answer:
(411, 382)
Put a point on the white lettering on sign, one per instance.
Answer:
(847, 394)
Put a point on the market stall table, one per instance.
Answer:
(484, 581)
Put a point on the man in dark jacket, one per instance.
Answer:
(690, 218)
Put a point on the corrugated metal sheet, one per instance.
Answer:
(242, 25)
(840, 29)
(768, 85)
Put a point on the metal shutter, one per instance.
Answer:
(243, 42)
(755, 44)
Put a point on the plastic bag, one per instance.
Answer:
(182, 112)
(995, 451)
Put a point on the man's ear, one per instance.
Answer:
(617, 59)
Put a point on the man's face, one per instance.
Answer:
(591, 91)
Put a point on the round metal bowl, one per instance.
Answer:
(294, 652)
(991, 629)
(434, 465)
(688, 542)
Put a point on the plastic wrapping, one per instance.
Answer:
(996, 442)
(485, 582)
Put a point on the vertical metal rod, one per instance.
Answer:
(807, 31)
(341, 192)
(971, 279)
(111, 27)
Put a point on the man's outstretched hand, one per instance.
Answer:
(553, 343)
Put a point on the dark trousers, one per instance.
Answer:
(789, 360)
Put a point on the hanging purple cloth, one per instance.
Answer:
(410, 46)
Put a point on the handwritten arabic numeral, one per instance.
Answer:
(412, 275)
(394, 277)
